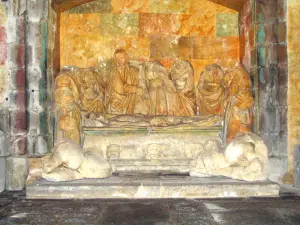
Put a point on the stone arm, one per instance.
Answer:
(120, 86)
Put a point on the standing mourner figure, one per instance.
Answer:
(211, 92)
(239, 102)
(182, 75)
(160, 88)
(123, 85)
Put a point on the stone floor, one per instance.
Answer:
(16, 209)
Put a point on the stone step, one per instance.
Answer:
(151, 186)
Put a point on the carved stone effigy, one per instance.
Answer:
(147, 119)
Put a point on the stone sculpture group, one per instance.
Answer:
(150, 92)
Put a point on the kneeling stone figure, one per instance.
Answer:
(68, 162)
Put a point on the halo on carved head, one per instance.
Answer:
(181, 69)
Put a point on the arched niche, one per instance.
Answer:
(68, 4)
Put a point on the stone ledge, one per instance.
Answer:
(138, 187)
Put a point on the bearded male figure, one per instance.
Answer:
(123, 84)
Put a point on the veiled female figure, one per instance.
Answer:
(211, 92)
(92, 90)
(67, 108)
(240, 101)
(182, 75)
(160, 89)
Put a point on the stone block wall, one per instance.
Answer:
(23, 99)
(13, 94)
(272, 82)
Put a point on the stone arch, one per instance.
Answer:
(68, 4)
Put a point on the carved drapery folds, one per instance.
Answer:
(151, 90)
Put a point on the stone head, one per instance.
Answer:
(213, 73)
(180, 73)
(121, 57)
(64, 97)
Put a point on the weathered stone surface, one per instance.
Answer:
(100, 6)
(278, 166)
(2, 173)
(216, 50)
(297, 166)
(198, 24)
(171, 6)
(4, 145)
(3, 54)
(3, 83)
(129, 154)
(16, 55)
(18, 145)
(158, 24)
(68, 162)
(245, 158)
(162, 47)
(151, 187)
(171, 47)
(126, 6)
(16, 173)
(35, 169)
(37, 10)
(67, 153)
(227, 25)
(293, 8)
(119, 24)
(90, 38)
(3, 14)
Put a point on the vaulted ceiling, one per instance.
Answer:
(67, 4)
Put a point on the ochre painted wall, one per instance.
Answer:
(196, 30)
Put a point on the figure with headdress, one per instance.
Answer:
(67, 108)
(240, 101)
(182, 75)
(210, 90)
(92, 90)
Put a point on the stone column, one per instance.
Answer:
(36, 68)
(272, 82)
(293, 27)
(13, 96)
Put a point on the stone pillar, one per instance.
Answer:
(16, 173)
(293, 27)
(36, 68)
(13, 95)
(297, 166)
(247, 28)
(272, 82)
(23, 87)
